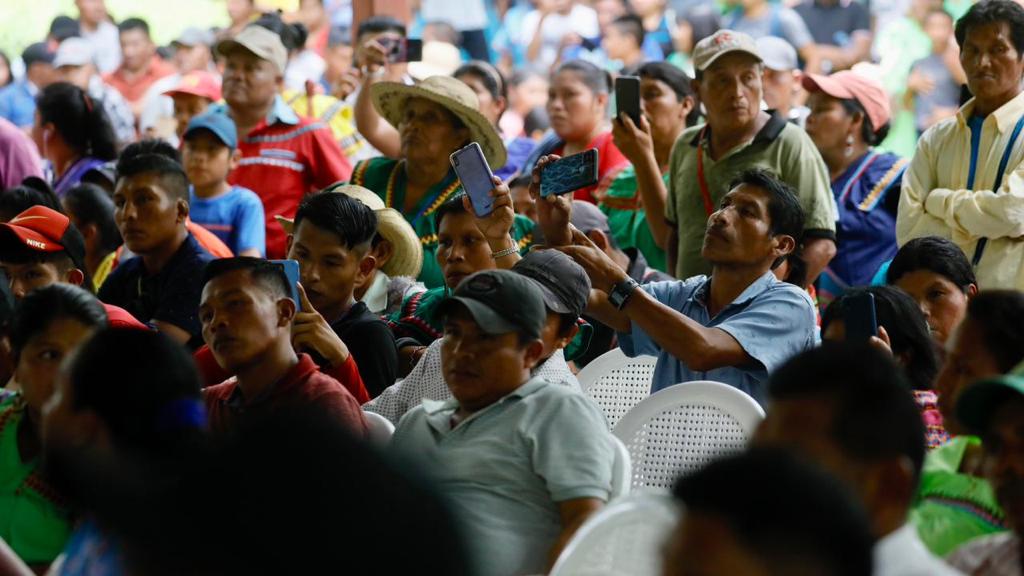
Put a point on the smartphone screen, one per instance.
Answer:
(569, 174)
(627, 97)
(473, 171)
(859, 318)
(413, 50)
(291, 271)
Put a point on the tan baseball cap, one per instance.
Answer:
(721, 43)
(261, 42)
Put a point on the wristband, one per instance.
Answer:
(506, 252)
(621, 291)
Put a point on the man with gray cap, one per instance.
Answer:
(192, 52)
(565, 287)
(781, 79)
(76, 63)
(523, 462)
(18, 100)
(284, 157)
(739, 136)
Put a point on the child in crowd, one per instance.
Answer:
(193, 95)
(233, 213)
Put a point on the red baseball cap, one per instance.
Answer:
(847, 85)
(44, 230)
(198, 83)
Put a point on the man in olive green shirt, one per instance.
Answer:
(739, 136)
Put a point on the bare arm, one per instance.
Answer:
(637, 145)
(672, 249)
(859, 50)
(533, 50)
(376, 130)
(811, 57)
(818, 252)
(573, 514)
(177, 334)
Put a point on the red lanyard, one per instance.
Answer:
(708, 206)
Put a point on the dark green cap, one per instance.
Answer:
(500, 302)
(979, 401)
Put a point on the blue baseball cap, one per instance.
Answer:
(222, 126)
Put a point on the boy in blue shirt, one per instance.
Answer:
(233, 213)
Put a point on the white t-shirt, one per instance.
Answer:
(463, 14)
(582, 20)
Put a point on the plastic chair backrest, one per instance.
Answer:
(679, 429)
(622, 470)
(379, 428)
(617, 383)
(624, 538)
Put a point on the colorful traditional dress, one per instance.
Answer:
(34, 520)
(627, 220)
(867, 196)
(386, 177)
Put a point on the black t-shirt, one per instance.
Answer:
(171, 295)
(372, 346)
(834, 25)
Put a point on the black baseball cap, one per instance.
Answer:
(586, 217)
(563, 283)
(500, 302)
(36, 53)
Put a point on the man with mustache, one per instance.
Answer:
(994, 410)
(734, 326)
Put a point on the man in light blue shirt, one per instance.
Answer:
(734, 326)
(18, 100)
(523, 462)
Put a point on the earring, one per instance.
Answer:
(849, 145)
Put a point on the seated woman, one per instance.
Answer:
(937, 274)
(849, 115)
(955, 503)
(49, 324)
(434, 118)
(578, 110)
(903, 331)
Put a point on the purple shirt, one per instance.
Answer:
(18, 156)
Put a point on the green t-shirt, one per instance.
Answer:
(386, 177)
(627, 219)
(900, 45)
(34, 521)
(781, 148)
(952, 508)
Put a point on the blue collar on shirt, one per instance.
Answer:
(279, 112)
(756, 287)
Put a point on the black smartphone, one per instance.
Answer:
(627, 97)
(475, 174)
(861, 322)
(402, 49)
(569, 174)
(291, 271)
(413, 50)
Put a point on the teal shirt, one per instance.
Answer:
(506, 468)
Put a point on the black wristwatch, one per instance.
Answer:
(621, 291)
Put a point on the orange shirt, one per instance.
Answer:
(135, 89)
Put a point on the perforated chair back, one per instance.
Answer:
(624, 539)
(379, 428)
(622, 470)
(680, 429)
(617, 383)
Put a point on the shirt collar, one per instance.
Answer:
(281, 112)
(297, 375)
(769, 132)
(439, 410)
(767, 280)
(1005, 116)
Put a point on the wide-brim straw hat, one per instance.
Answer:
(407, 254)
(390, 99)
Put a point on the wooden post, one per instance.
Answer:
(363, 9)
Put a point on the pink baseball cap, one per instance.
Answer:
(846, 85)
(198, 83)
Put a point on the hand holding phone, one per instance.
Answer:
(477, 179)
(627, 97)
(859, 318)
(569, 174)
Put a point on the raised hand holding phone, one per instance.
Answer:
(569, 174)
(553, 212)
(311, 333)
(627, 97)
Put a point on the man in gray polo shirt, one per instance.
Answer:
(522, 461)
(739, 136)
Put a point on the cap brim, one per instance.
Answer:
(229, 45)
(716, 57)
(821, 83)
(489, 321)
(979, 401)
(27, 238)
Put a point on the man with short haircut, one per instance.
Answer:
(331, 240)
(140, 65)
(523, 462)
(848, 408)
(965, 179)
(565, 288)
(623, 42)
(18, 99)
(247, 314)
(809, 524)
(993, 409)
(160, 285)
(284, 157)
(40, 247)
(75, 62)
(193, 61)
(735, 326)
(738, 136)
(781, 67)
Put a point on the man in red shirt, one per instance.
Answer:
(284, 157)
(246, 313)
(140, 65)
(40, 247)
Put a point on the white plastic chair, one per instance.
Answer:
(379, 428)
(680, 429)
(622, 470)
(617, 383)
(625, 538)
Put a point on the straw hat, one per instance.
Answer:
(407, 257)
(390, 99)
